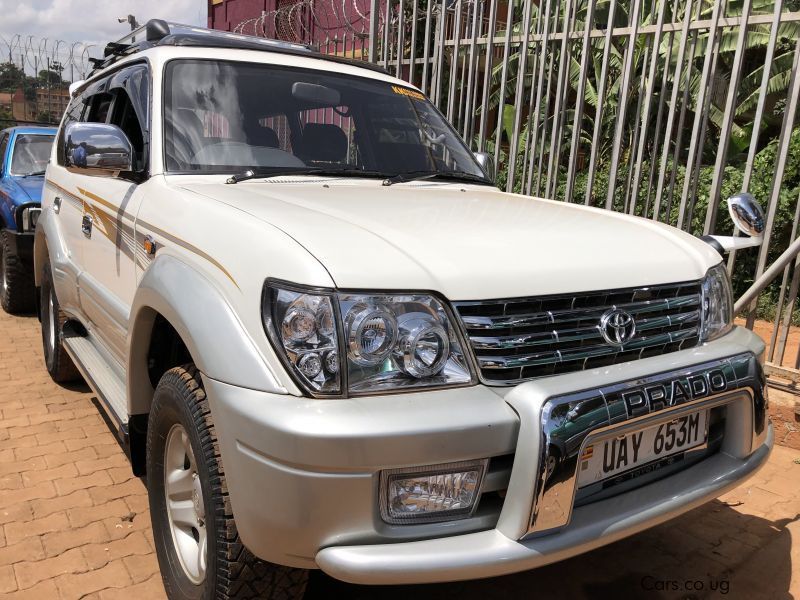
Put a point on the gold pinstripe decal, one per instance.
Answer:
(186, 245)
(109, 227)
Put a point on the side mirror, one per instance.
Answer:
(91, 147)
(747, 214)
(486, 163)
(748, 217)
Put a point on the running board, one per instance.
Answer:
(101, 378)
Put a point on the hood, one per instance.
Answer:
(31, 187)
(468, 242)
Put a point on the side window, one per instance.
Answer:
(124, 116)
(99, 108)
(129, 88)
(3, 148)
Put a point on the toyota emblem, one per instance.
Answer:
(617, 326)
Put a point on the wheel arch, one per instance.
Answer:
(174, 297)
(7, 215)
(40, 255)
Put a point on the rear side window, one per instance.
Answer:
(73, 114)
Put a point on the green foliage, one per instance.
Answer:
(11, 77)
(689, 76)
(696, 205)
(49, 76)
(6, 119)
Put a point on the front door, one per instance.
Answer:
(110, 207)
(61, 199)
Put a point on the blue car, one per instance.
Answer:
(24, 152)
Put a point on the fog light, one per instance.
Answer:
(431, 493)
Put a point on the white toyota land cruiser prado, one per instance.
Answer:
(330, 342)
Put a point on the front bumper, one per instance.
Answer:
(303, 474)
(491, 553)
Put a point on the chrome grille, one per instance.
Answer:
(524, 338)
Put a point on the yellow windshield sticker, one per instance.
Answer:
(407, 92)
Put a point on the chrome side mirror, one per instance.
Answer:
(486, 164)
(746, 214)
(97, 147)
(748, 217)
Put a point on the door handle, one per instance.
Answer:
(86, 226)
(57, 204)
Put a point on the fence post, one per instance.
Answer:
(372, 55)
(780, 166)
(727, 121)
(623, 104)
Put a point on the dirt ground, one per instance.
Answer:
(784, 409)
(74, 522)
(764, 329)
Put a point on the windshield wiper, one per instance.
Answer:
(266, 174)
(34, 174)
(420, 175)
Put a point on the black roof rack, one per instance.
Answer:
(157, 32)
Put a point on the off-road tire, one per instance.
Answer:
(232, 571)
(17, 293)
(58, 362)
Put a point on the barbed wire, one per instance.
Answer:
(317, 21)
(33, 54)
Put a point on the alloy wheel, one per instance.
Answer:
(185, 505)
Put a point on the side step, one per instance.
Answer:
(105, 383)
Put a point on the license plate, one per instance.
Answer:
(613, 456)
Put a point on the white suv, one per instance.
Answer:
(330, 342)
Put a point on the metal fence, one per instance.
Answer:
(658, 108)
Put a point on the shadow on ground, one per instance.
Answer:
(711, 552)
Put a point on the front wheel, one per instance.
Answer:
(197, 543)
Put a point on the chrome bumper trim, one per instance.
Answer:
(633, 404)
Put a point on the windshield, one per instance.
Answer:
(31, 153)
(226, 117)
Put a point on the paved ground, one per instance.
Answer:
(74, 522)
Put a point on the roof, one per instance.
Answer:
(157, 32)
(32, 129)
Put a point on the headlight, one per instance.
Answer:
(383, 342)
(717, 304)
(301, 326)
